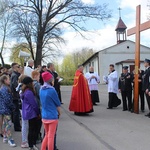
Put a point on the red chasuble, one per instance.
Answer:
(80, 98)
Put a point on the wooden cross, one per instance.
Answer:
(119, 12)
(136, 30)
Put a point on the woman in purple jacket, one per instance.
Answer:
(30, 110)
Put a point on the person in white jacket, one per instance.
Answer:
(93, 80)
(112, 81)
(28, 69)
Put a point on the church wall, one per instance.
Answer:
(94, 63)
(107, 59)
(125, 47)
(115, 54)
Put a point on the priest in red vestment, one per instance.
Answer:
(80, 102)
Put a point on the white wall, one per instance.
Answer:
(94, 63)
(119, 53)
(115, 54)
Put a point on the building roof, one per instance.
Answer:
(96, 54)
(121, 25)
(93, 56)
(128, 61)
(121, 44)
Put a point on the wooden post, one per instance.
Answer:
(137, 60)
(136, 30)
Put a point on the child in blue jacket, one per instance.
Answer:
(6, 108)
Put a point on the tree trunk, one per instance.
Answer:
(2, 48)
(38, 57)
(31, 49)
(2, 60)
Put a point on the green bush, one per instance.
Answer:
(8, 66)
(67, 81)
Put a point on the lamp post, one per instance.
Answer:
(24, 55)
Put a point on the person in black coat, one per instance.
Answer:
(16, 97)
(125, 87)
(141, 91)
(43, 69)
(51, 69)
(146, 83)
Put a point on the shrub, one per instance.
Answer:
(67, 81)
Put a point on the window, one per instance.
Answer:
(86, 68)
(92, 64)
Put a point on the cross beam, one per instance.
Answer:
(136, 30)
(143, 26)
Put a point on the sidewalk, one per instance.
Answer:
(101, 130)
(112, 129)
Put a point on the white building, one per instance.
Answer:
(121, 54)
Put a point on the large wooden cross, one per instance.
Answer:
(136, 30)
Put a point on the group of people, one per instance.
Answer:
(125, 85)
(85, 89)
(34, 95)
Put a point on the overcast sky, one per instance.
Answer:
(104, 34)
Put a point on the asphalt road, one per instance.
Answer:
(101, 130)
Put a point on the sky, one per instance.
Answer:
(103, 34)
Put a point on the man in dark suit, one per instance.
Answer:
(146, 83)
(13, 84)
(43, 69)
(125, 87)
(51, 69)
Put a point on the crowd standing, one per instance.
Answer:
(125, 85)
(85, 89)
(34, 96)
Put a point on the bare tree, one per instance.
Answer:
(23, 29)
(15, 52)
(5, 23)
(70, 63)
(80, 56)
(45, 20)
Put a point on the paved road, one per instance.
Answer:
(102, 130)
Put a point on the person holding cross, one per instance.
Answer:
(136, 30)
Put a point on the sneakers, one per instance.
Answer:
(5, 140)
(24, 145)
(11, 143)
